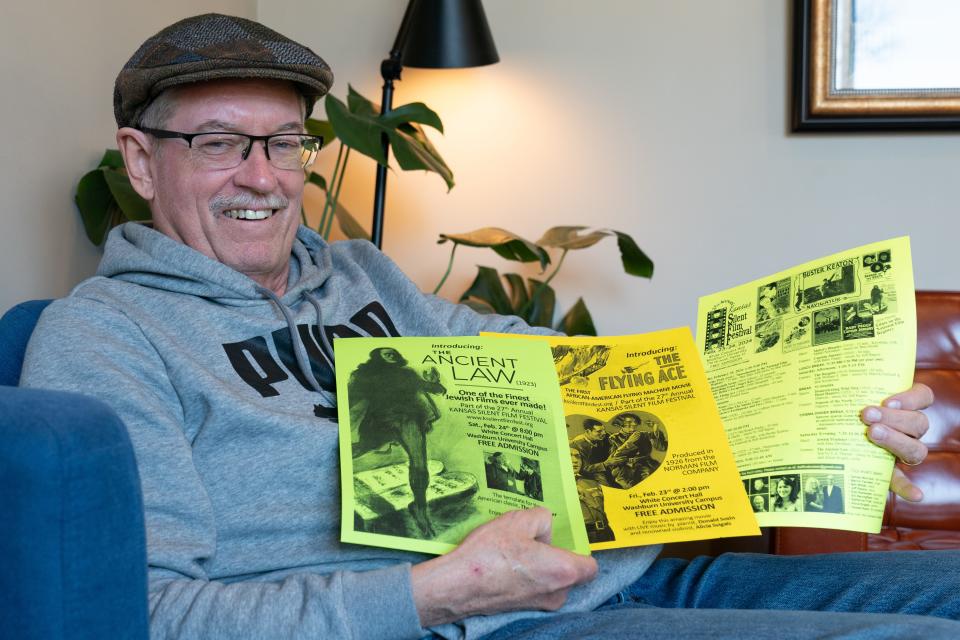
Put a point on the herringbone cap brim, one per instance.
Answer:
(211, 47)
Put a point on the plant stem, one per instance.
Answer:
(336, 193)
(543, 285)
(449, 267)
(329, 202)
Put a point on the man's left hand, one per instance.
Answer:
(897, 426)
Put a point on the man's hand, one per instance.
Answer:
(897, 426)
(615, 460)
(506, 564)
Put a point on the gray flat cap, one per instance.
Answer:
(210, 47)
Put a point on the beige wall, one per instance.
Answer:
(666, 119)
(58, 59)
(662, 118)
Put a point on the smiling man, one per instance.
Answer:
(210, 336)
(232, 187)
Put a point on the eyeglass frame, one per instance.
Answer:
(165, 134)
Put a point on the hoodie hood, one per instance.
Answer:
(139, 254)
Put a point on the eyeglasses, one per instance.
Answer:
(226, 150)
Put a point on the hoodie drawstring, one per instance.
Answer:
(327, 348)
(299, 351)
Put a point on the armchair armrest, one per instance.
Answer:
(71, 533)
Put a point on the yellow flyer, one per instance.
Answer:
(792, 359)
(650, 457)
(439, 435)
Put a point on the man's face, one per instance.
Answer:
(629, 424)
(190, 201)
(575, 459)
(595, 432)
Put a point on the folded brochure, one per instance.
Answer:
(621, 437)
(441, 434)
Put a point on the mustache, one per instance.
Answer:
(248, 201)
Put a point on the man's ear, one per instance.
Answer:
(137, 149)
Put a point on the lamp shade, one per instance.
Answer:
(448, 33)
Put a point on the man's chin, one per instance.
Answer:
(251, 252)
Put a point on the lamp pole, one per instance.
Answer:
(433, 34)
(390, 70)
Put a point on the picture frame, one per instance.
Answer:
(828, 93)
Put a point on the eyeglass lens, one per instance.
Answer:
(228, 150)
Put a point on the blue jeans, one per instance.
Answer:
(868, 596)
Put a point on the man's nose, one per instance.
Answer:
(255, 171)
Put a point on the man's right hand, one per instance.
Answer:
(506, 564)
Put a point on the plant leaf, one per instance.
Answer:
(321, 128)
(111, 158)
(635, 261)
(506, 243)
(360, 132)
(133, 206)
(317, 179)
(413, 112)
(570, 238)
(518, 291)
(487, 288)
(349, 225)
(93, 200)
(413, 152)
(360, 105)
(544, 301)
(116, 215)
(577, 321)
(360, 126)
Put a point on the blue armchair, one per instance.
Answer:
(71, 514)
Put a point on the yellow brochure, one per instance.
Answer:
(793, 358)
(651, 461)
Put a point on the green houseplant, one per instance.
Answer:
(105, 199)
(532, 299)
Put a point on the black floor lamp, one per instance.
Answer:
(434, 34)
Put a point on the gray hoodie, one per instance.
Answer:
(227, 393)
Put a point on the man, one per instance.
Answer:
(593, 447)
(391, 402)
(634, 448)
(833, 495)
(759, 485)
(759, 503)
(590, 494)
(529, 474)
(499, 475)
(209, 335)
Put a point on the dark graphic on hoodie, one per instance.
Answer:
(255, 364)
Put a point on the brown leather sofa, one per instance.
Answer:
(935, 522)
(931, 524)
